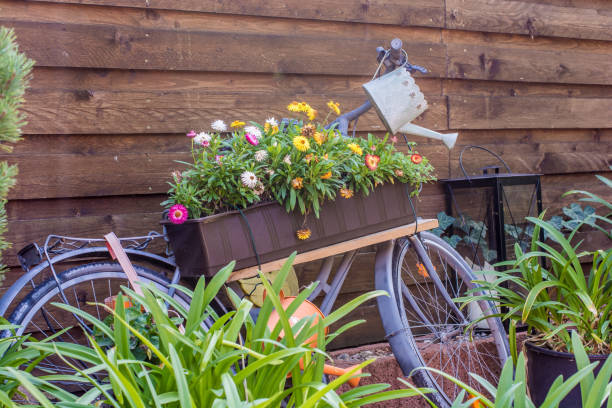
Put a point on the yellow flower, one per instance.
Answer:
(334, 106)
(297, 183)
(346, 192)
(355, 148)
(301, 143)
(308, 130)
(268, 127)
(319, 138)
(294, 106)
(303, 233)
(326, 175)
(311, 113)
(308, 158)
(237, 124)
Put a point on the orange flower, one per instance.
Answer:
(303, 233)
(421, 270)
(416, 158)
(297, 183)
(319, 138)
(334, 106)
(326, 175)
(371, 161)
(308, 157)
(346, 192)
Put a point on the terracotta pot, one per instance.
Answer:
(544, 366)
(205, 245)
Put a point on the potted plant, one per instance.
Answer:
(553, 292)
(257, 193)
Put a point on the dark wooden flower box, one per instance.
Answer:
(205, 245)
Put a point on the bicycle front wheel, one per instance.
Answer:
(436, 330)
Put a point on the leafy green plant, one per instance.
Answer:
(511, 391)
(15, 69)
(237, 362)
(552, 301)
(606, 218)
(300, 164)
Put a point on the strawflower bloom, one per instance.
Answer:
(416, 158)
(301, 143)
(254, 130)
(303, 233)
(399, 172)
(249, 179)
(272, 122)
(319, 138)
(259, 189)
(297, 183)
(219, 159)
(308, 130)
(327, 175)
(177, 176)
(311, 113)
(346, 192)
(355, 148)
(219, 125)
(191, 133)
(251, 138)
(334, 106)
(237, 124)
(178, 214)
(393, 139)
(261, 155)
(308, 158)
(287, 160)
(371, 161)
(293, 106)
(202, 138)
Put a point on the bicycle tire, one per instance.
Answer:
(432, 331)
(74, 281)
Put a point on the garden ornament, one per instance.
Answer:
(308, 309)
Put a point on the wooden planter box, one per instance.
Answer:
(205, 245)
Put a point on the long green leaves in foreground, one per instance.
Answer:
(511, 391)
(213, 361)
(558, 298)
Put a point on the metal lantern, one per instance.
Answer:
(488, 212)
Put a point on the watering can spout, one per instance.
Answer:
(448, 139)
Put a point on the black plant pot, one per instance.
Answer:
(544, 366)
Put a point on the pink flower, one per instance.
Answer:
(191, 133)
(393, 139)
(373, 148)
(178, 214)
(251, 138)
(205, 143)
(219, 159)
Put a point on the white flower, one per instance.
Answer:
(270, 172)
(202, 138)
(261, 155)
(249, 179)
(219, 125)
(253, 130)
(287, 159)
(272, 122)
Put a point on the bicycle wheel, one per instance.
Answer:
(85, 287)
(437, 332)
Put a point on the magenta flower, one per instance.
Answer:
(178, 214)
(205, 143)
(251, 138)
(191, 133)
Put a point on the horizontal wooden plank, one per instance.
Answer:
(510, 58)
(132, 47)
(473, 112)
(528, 18)
(353, 244)
(502, 88)
(428, 13)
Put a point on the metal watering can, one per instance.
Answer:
(398, 100)
(307, 309)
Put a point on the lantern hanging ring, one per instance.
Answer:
(498, 157)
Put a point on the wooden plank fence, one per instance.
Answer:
(118, 83)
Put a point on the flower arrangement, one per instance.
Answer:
(300, 165)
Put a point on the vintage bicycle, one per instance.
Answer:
(423, 275)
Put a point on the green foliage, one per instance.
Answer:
(606, 218)
(15, 69)
(471, 233)
(511, 391)
(235, 363)
(299, 165)
(554, 300)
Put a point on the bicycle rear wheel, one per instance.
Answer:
(85, 287)
(436, 331)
